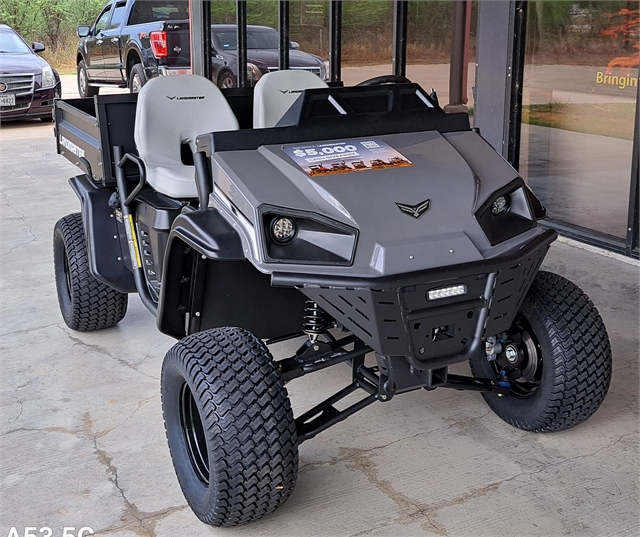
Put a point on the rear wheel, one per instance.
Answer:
(557, 358)
(84, 89)
(86, 303)
(229, 425)
(137, 78)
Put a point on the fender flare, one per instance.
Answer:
(100, 229)
(131, 45)
(195, 234)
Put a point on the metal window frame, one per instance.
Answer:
(400, 30)
(335, 41)
(283, 31)
(241, 42)
(634, 189)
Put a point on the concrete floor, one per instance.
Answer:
(82, 441)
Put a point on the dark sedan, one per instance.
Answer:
(28, 84)
(262, 55)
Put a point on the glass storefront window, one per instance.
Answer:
(309, 31)
(367, 40)
(430, 28)
(580, 92)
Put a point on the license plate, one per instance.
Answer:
(8, 100)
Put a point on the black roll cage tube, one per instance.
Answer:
(125, 201)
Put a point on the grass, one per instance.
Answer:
(607, 119)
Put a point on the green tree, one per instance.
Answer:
(51, 22)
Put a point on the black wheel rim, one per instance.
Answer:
(529, 383)
(193, 432)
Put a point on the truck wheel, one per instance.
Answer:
(137, 78)
(564, 359)
(226, 80)
(229, 425)
(84, 89)
(86, 303)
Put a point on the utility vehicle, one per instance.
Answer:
(386, 232)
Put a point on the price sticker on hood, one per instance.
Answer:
(329, 158)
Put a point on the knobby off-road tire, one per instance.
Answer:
(573, 351)
(229, 425)
(86, 303)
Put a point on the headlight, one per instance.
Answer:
(253, 73)
(508, 212)
(326, 70)
(500, 206)
(283, 230)
(48, 78)
(306, 238)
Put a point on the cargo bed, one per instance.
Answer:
(87, 130)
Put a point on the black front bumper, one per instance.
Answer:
(32, 105)
(395, 318)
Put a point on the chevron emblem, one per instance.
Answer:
(415, 210)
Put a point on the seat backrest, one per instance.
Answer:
(275, 93)
(173, 110)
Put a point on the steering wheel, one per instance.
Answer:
(385, 79)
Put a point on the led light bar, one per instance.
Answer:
(447, 292)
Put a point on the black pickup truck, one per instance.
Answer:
(132, 41)
(135, 40)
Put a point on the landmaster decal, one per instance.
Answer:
(329, 158)
(185, 98)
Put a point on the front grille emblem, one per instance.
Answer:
(3, 87)
(415, 210)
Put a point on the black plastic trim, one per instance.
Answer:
(499, 228)
(106, 256)
(291, 247)
(305, 120)
(284, 279)
(209, 233)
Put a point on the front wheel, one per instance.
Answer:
(226, 81)
(84, 89)
(557, 358)
(229, 426)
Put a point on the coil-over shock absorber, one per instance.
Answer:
(315, 321)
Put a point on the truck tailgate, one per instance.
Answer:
(177, 44)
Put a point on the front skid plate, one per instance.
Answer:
(395, 317)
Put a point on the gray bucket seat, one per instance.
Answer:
(173, 111)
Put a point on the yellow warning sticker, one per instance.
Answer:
(134, 252)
